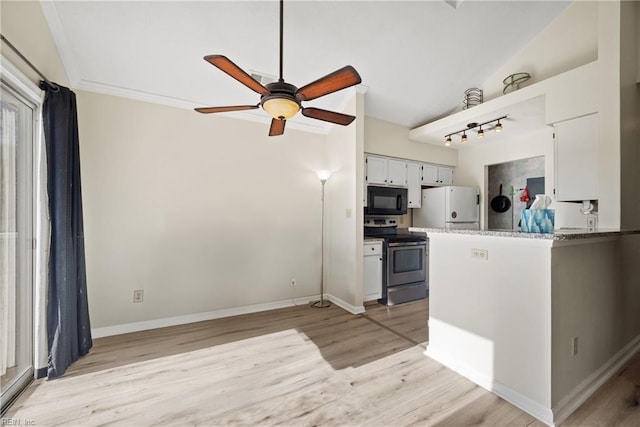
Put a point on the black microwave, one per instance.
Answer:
(386, 201)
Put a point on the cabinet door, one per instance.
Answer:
(414, 185)
(429, 175)
(376, 170)
(445, 175)
(372, 271)
(397, 173)
(576, 163)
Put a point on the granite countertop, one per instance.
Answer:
(561, 234)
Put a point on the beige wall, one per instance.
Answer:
(202, 212)
(23, 24)
(389, 139)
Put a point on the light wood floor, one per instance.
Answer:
(298, 366)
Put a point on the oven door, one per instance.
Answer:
(406, 263)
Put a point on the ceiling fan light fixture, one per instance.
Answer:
(280, 107)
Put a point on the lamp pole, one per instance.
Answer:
(324, 176)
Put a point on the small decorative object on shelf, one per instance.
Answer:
(472, 97)
(514, 81)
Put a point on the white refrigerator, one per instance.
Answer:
(449, 207)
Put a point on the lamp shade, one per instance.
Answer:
(323, 175)
(281, 108)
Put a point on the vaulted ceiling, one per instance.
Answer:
(416, 58)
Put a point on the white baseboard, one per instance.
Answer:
(507, 393)
(566, 406)
(126, 328)
(572, 401)
(353, 309)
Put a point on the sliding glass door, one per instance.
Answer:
(17, 133)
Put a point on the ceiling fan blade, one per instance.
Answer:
(328, 116)
(206, 110)
(225, 64)
(277, 127)
(338, 80)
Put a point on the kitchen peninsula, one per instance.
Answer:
(541, 320)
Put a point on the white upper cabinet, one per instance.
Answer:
(445, 175)
(414, 184)
(397, 173)
(376, 170)
(437, 175)
(576, 159)
(386, 171)
(392, 172)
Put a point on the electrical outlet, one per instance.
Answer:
(138, 295)
(574, 346)
(481, 254)
(293, 282)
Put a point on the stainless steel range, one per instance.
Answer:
(405, 261)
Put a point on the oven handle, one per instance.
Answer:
(394, 245)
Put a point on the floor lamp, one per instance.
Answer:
(324, 176)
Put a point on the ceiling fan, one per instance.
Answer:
(282, 100)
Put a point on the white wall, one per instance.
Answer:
(630, 114)
(472, 163)
(390, 139)
(343, 258)
(567, 42)
(601, 92)
(491, 319)
(202, 212)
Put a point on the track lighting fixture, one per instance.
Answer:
(470, 126)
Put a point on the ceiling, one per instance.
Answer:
(416, 58)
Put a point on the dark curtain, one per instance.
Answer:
(68, 328)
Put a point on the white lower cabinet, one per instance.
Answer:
(372, 270)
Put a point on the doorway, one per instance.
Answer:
(18, 120)
(513, 177)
